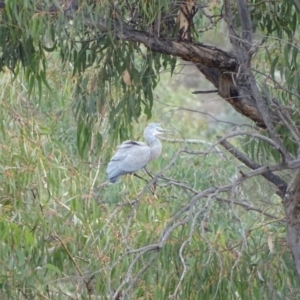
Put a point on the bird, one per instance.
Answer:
(132, 156)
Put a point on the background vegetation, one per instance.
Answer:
(64, 235)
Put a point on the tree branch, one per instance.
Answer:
(248, 207)
(245, 22)
(205, 92)
(276, 180)
(245, 105)
(287, 121)
(297, 5)
(254, 135)
(265, 112)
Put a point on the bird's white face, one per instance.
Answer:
(154, 129)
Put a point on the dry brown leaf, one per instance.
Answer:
(126, 77)
(270, 243)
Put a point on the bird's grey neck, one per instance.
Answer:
(152, 140)
(155, 147)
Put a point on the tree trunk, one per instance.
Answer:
(291, 205)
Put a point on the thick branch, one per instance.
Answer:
(230, 92)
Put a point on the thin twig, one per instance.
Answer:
(273, 143)
(288, 122)
(89, 289)
(186, 242)
(205, 92)
(250, 207)
(264, 111)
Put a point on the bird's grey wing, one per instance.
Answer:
(130, 157)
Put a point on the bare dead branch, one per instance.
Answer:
(183, 185)
(244, 204)
(277, 85)
(183, 245)
(254, 135)
(205, 92)
(250, 207)
(87, 284)
(288, 122)
(178, 108)
(279, 167)
(190, 141)
(134, 280)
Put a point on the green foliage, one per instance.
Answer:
(54, 229)
(28, 33)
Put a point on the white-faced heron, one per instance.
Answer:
(132, 156)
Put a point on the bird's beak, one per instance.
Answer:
(162, 131)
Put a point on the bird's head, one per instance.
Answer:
(155, 129)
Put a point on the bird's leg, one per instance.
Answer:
(133, 186)
(148, 172)
(140, 177)
(129, 188)
(154, 183)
